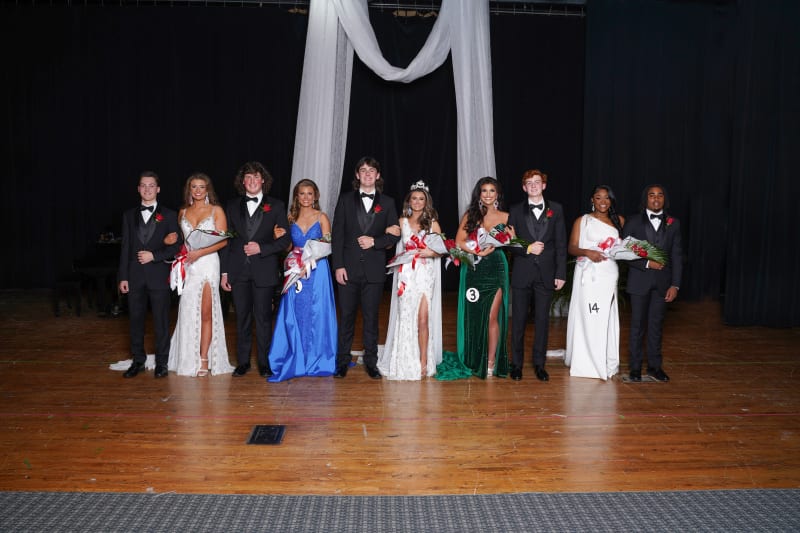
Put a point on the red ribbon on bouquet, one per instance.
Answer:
(606, 244)
(177, 272)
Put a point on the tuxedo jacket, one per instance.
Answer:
(552, 262)
(350, 221)
(667, 238)
(264, 268)
(138, 236)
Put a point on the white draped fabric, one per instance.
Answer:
(335, 29)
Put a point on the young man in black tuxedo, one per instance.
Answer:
(538, 270)
(359, 244)
(144, 272)
(250, 266)
(651, 285)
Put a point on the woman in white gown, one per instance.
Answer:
(414, 338)
(593, 324)
(198, 342)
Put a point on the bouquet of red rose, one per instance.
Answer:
(301, 261)
(456, 255)
(629, 249)
(196, 240)
(499, 237)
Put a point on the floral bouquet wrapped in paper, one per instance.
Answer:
(499, 237)
(456, 255)
(410, 254)
(196, 240)
(629, 249)
(301, 261)
(438, 242)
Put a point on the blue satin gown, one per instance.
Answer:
(304, 341)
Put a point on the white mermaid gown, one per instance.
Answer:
(400, 358)
(184, 349)
(593, 324)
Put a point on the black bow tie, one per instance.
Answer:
(536, 206)
(368, 195)
(146, 208)
(251, 199)
(659, 216)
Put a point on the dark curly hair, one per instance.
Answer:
(252, 167)
(476, 209)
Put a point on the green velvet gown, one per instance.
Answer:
(489, 275)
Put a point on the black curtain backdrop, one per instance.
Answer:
(701, 96)
(93, 96)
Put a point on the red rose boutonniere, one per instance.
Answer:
(670, 220)
(266, 208)
(158, 217)
(378, 209)
(549, 213)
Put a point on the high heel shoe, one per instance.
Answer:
(203, 372)
(490, 369)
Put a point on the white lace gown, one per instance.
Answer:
(593, 324)
(400, 358)
(184, 349)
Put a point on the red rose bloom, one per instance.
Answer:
(159, 217)
(266, 208)
(378, 209)
(670, 220)
(549, 213)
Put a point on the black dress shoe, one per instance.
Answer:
(161, 371)
(516, 373)
(373, 372)
(241, 370)
(541, 373)
(133, 370)
(635, 375)
(341, 371)
(264, 371)
(658, 375)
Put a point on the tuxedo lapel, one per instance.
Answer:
(542, 223)
(530, 220)
(649, 230)
(361, 214)
(370, 216)
(254, 222)
(146, 230)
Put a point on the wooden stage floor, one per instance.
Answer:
(730, 418)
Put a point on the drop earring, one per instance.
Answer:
(408, 211)
(191, 201)
(206, 199)
(496, 205)
(592, 207)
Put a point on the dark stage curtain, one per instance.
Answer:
(762, 285)
(702, 97)
(93, 96)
